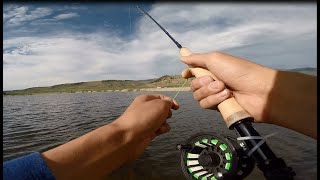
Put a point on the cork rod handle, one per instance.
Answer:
(230, 109)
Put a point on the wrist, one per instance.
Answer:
(132, 133)
(90, 156)
(292, 102)
(124, 133)
(268, 78)
(133, 143)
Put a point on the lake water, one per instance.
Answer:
(40, 122)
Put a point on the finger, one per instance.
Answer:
(149, 97)
(186, 73)
(169, 114)
(213, 100)
(200, 82)
(212, 88)
(175, 105)
(225, 67)
(163, 129)
(196, 60)
(170, 103)
(152, 136)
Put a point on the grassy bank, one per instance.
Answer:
(164, 83)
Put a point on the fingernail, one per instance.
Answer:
(183, 58)
(175, 102)
(224, 93)
(204, 80)
(167, 99)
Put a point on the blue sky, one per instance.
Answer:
(48, 44)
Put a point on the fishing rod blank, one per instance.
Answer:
(230, 109)
(238, 119)
(144, 12)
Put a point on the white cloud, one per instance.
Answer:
(273, 35)
(70, 59)
(66, 16)
(15, 15)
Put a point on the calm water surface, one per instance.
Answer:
(40, 122)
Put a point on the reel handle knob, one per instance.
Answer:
(230, 109)
(186, 147)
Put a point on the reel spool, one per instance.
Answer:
(209, 156)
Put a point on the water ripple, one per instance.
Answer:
(40, 122)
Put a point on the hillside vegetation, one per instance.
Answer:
(120, 85)
(104, 85)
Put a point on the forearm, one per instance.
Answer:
(90, 156)
(292, 102)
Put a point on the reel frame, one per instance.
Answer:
(209, 156)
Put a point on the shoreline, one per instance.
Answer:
(167, 89)
(116, 90)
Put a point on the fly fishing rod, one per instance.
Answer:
(208, 156)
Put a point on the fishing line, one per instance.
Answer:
(178, 45)
(263, 140)
(180, 88)
(130, 18)
(185, 82)
(153, 25)
(272, 166)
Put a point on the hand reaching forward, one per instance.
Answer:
(99, 152)
(145, 119)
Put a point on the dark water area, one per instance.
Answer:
(40, 122)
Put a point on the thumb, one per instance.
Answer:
(225, 67)
(195, 60)
(192, 59)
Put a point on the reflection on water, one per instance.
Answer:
(40, 122)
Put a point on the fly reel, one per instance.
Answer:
(209, 156)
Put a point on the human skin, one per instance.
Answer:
(282, 98)
(97, 153)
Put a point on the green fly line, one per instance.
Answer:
(185, 82)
